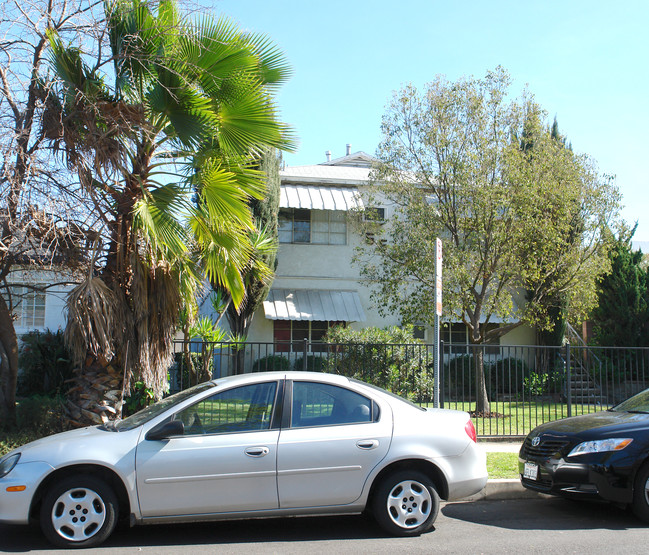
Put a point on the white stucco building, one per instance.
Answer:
(316, 284)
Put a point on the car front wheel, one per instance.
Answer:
(641, 494)
(79, 511)
(406, 503)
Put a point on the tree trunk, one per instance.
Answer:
(8, 367)
(97, 394)
(482, 399)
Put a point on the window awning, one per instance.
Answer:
(314, 304)
(320, 198)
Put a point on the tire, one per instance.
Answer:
(640, 503)
(79, 511)
(406, 503)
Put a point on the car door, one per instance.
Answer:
(334, 439)
(225, 460)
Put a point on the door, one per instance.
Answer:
(336, 437)
(225, 461)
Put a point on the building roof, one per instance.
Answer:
(325, 174)
(353, 169)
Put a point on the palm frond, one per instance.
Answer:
(252, 121)
(155, 217)
(273, 67)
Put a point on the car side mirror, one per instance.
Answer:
(166, 430)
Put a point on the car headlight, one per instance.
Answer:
(601, 446)
(7, 464)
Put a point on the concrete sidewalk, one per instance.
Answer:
(503, 488)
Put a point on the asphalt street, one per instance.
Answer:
(527, 526)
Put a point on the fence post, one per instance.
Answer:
(304, 352)
(568, 380)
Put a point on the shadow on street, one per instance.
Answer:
(552, 513)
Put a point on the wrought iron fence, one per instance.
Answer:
(524, 386)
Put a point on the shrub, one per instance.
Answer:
(40, 414)
(313, 363)
(507, 375)
(390, 358)
(538, 384)
(45, 364)
(459, 376)
(504, 376)
(140, 397)
(183, 375)
(270, 363)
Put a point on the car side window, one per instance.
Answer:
(318, 404)
(241, 409)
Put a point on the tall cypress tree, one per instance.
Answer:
(621, 318)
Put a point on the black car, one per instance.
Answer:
(603, 456)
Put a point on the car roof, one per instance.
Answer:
(277, 375)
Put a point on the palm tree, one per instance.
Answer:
(166, 153)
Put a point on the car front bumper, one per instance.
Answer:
(580, 480)
(15, 502)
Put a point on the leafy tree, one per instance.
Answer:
(41, 222)
(555, 306)
(169, 136)
(451, 165)
(621, 317)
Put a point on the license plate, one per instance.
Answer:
(531, 471)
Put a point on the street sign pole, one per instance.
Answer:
(438, 313)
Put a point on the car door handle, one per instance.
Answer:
(257, 451)
(367, 444)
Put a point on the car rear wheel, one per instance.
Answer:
(641, 494)
(406, 503)
(79, 511)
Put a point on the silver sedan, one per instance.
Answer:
(257, 445)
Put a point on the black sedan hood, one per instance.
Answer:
(597, 425)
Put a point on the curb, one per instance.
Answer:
(497, 490)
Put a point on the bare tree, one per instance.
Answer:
(41, 216)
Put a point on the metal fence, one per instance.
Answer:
(524, 385)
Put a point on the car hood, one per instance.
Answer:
(598, 424)
(92, 444)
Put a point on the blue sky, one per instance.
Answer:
(585, 61)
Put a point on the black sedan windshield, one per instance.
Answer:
(637, 403)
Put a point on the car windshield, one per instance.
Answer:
(637, 403)
(154, 410)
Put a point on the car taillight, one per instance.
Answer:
(469, 428)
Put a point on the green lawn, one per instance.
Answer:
(519, 418)
(502, 465)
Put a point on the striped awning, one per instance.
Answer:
(320, 198)
(314, 304)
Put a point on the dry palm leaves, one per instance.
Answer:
(96, 320)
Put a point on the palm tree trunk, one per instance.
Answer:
(97, 394)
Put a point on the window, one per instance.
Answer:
(241, 409)
(318, 227)
(318, 404)
(374, 214)
(296, 331)
(29, 306)
(419, 331)
(457, 335)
